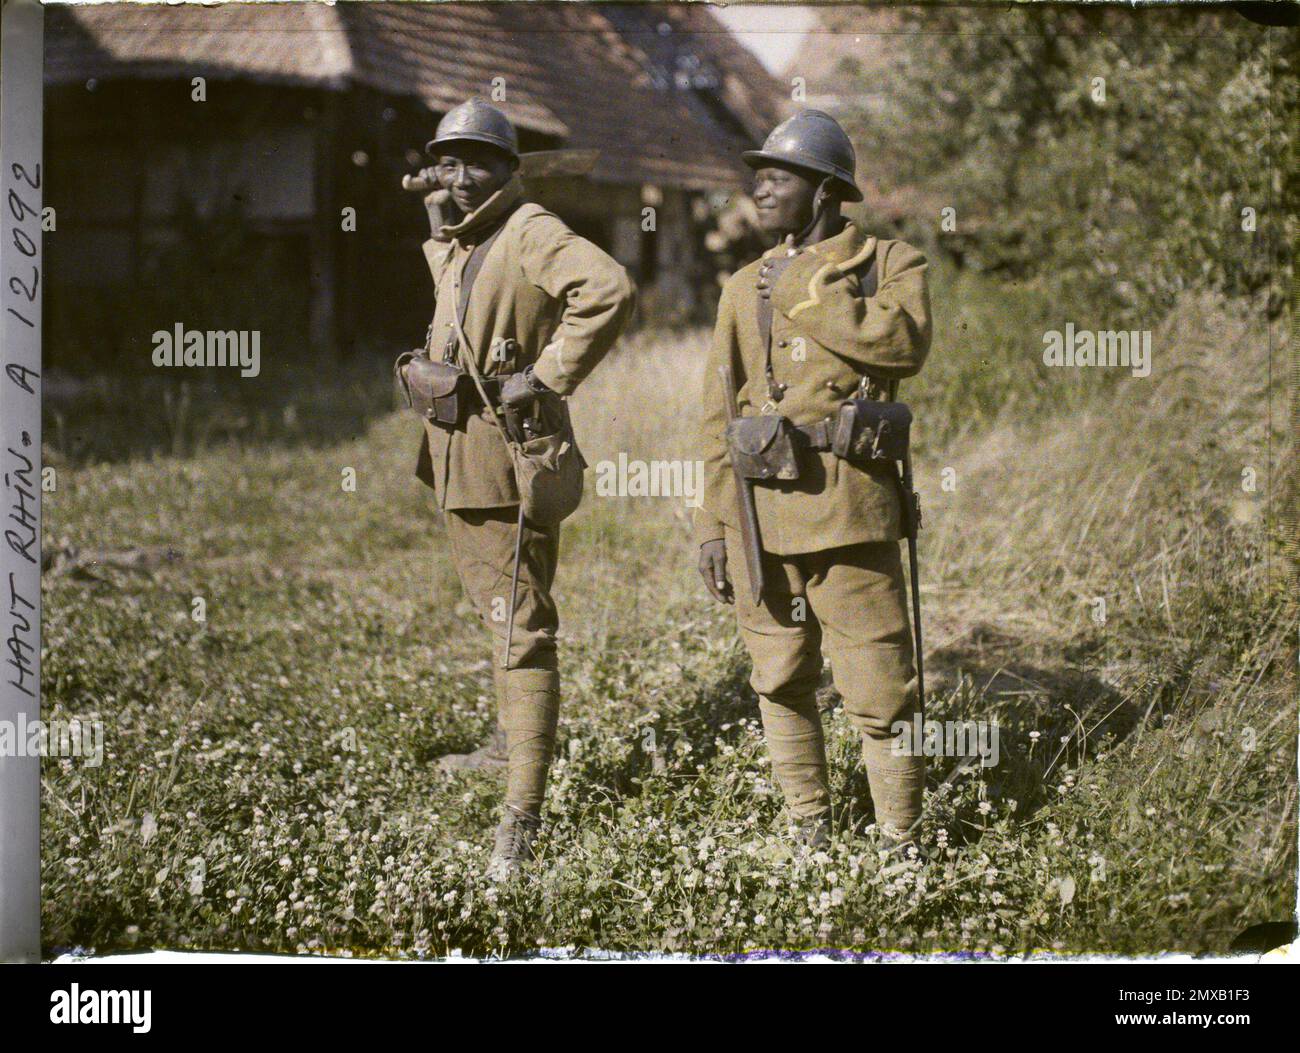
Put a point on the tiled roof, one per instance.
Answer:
(291, 43)
(664, 92)
(443, 53)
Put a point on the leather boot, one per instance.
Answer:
(514, 844)
(896, 785)
(814, 833)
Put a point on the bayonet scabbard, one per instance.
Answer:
(749, 532)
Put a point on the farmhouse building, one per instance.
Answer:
(238, 166)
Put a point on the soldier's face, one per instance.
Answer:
(472, 172)
(784, 198)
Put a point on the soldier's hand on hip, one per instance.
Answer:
(713, 569)
(521, 388)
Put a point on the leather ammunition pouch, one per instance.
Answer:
(440, 392)
(762, 447)
(869, 430)
(437, 391)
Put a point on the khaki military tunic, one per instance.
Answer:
(824, 334)
(560, 298)
(832, 569)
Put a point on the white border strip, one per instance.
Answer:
(22, 62)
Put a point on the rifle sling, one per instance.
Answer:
(912, 519)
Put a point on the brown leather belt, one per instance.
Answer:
(492, 386)
(817, 436)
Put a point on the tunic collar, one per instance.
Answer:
(822, 261)
(493, 211)
(850, 246)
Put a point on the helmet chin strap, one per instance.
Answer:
(819, 206)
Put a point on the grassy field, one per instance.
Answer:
(269, 778)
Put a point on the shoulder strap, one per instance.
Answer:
(467, 353)
(469, 272)
(475, 264)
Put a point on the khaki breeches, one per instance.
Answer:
(528, 692)
(851, 601)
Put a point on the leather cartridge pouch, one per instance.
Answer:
(762, 447)
(440, 391)
(435, 390)
(870, 430)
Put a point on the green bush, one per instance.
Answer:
(1115, 202)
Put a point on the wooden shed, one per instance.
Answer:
(202, 160)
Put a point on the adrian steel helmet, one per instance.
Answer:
(479, 121)
(814, 140)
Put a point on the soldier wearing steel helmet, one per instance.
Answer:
(828, 313)
(535, 307)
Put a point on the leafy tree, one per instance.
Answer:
(1107, 155)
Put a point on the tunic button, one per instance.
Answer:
(783, 343)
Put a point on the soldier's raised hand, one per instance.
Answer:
(436, 202)
(713, 569)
